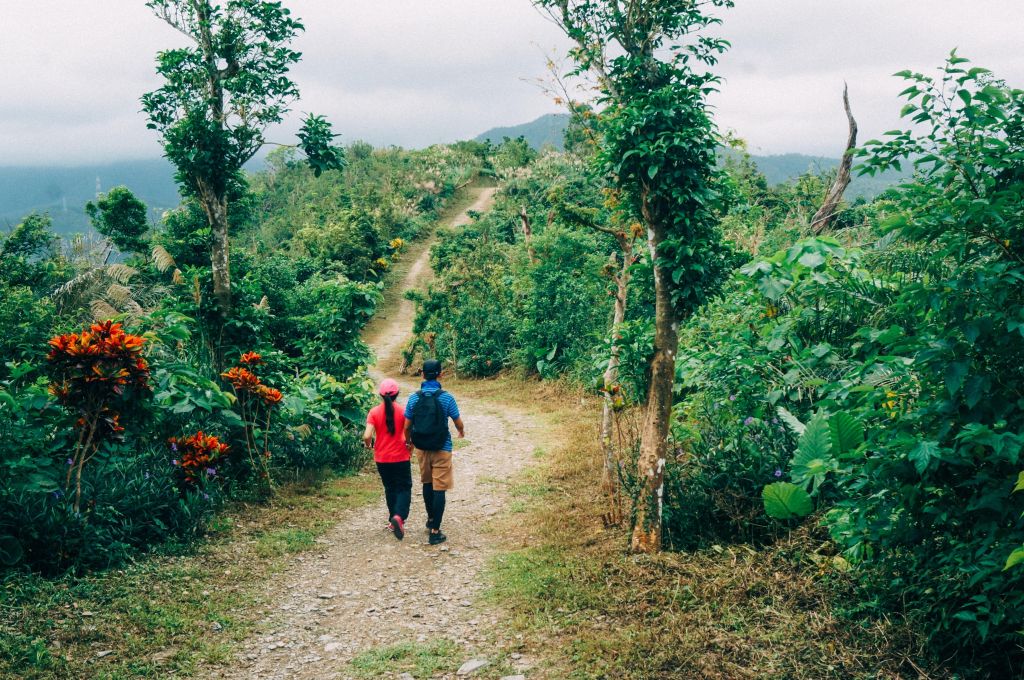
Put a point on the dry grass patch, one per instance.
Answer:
(590, 610)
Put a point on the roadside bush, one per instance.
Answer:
(539, 307)
(563, 304)
(469, 315)
(26, 319)
(916, 339)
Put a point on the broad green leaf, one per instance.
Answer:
(1020, 483)
(847, 432)
(813, 458)
(783, 500)
(791, 420)
(811, 260)
(956, 371)
(816, 440)
(1015, 558)
(774, 287)
(922, 454)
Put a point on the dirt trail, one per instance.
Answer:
(366, 589)
(391, 328)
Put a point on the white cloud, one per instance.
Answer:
(414, 72)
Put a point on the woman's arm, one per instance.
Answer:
(368, 434)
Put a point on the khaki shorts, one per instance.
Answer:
(436, 469)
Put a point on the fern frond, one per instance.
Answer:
(121, 273)
(162, 259)
(83, 280)
(101, 310)
(119, 294)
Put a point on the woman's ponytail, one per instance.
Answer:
(389, 411)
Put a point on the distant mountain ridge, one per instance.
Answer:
(63, 191)
(549, 130)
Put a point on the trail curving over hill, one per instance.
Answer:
(366, 590)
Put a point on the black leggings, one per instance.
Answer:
(434, 502)
(397, 479)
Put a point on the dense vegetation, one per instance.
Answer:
(172, 410)
(859, 392)
(868, 379)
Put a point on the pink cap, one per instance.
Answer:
(387, 387)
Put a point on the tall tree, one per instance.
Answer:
(221, 93)
(653, 63)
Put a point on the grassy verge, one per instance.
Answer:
(168, 615)
(421, 660)
(587, 609)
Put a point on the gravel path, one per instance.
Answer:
(368, 590)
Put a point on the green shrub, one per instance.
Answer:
(918, 340)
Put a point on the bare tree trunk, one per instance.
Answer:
(826, 215)
(527, 234)
(610, 476)
(654, 438)
(216, 209)
(214, 200)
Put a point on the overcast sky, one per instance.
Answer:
(415, 72)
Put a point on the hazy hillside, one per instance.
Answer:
(546, 130)
(777, 169)
(64, 191)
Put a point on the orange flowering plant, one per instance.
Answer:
(90, 372)
(197, 456)
(256, 402)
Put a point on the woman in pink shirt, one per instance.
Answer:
(385, 425)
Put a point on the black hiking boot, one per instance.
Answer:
(437, 538)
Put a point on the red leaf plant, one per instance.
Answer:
(197, 455)
(256, 402)
(91, 371)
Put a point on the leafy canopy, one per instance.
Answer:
(652, 60)
(121, 217)
(222, 92)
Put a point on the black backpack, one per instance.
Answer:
(429, 421)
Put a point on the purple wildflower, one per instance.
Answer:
(748, 421)
(211, 472)
(174, 447)
(174, 462)
(206, 496)
(70, 462)
(732, 397)
(778, 473)
(775, 421)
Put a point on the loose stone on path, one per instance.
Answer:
(472, 666)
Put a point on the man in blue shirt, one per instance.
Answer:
(429, 422)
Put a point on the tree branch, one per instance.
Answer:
(826, 215)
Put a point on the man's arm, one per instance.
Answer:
(460, 426)
(407, 431)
